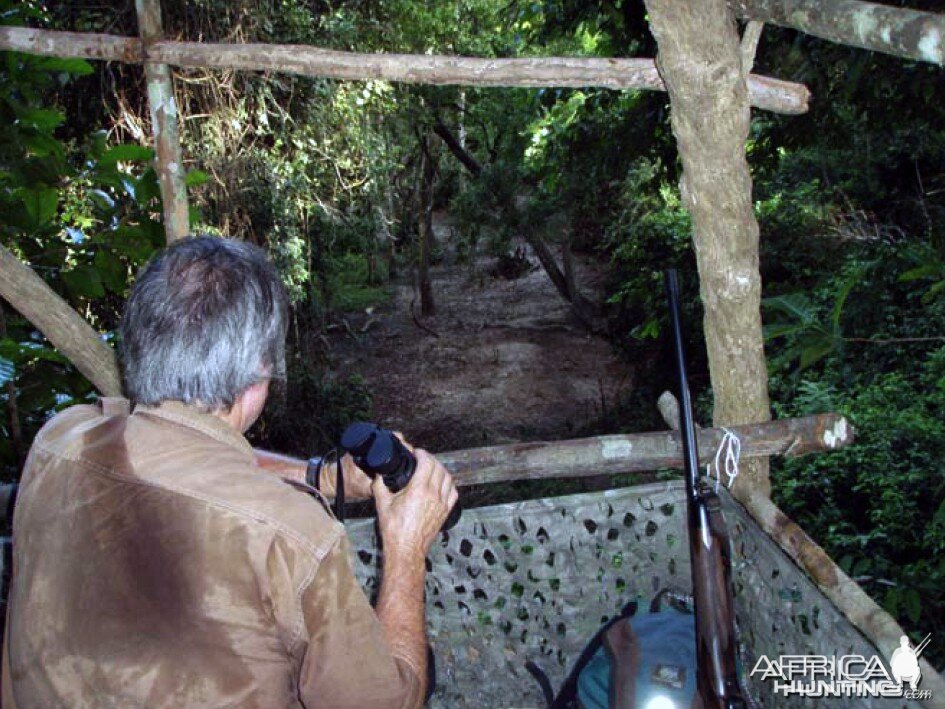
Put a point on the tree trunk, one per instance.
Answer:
(168, 160)
(700, 62)
(61, 325)
(457, 148)
(899, 31)
(425, 227)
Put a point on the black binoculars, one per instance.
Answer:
(378, 451)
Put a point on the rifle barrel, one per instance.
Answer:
(687, 427)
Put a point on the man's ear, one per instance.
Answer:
(250, 403)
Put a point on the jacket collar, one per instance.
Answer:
(186, 415)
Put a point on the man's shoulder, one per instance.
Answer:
(65, 421)
(208, 476)
(262, 498)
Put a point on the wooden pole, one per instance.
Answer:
(700, 61)
(168, 159)
(765, 92)
(910, 34)
(639, 452)
(62, 326)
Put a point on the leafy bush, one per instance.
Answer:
(867, 349)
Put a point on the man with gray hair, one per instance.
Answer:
(158, 564)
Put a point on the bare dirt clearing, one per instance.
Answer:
(509, 361)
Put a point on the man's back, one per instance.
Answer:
(155, 565)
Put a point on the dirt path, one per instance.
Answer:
(510, 362)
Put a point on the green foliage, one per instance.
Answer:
(79, 211)
(353, 287)
(650, 232)
(932, 268)
(857, 341)
(877, 506)
(810, 336)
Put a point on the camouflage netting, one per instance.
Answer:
(535, 580)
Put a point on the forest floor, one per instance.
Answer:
(509, 361)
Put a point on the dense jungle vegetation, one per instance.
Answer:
(338, 180)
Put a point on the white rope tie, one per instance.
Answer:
(726, 458)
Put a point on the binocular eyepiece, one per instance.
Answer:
(378, 451)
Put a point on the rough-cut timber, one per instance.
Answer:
(168, 159)
(700, 61)
(770, 94)
(640, 451)
(861, 610)
(61, 325)
(883, 28)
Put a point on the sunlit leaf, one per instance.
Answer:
(126, 153)
(195, 178)
(77, 67)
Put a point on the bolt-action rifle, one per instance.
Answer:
(709, 551)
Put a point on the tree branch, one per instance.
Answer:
(637, 73)
(910, 34)
(63, 327)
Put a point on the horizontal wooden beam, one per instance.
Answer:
(63, 327)
(910, 34)
(640, 451)
(534, 72)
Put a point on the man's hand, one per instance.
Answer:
(410, 519)
(409, 522)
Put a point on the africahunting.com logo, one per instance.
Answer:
(847, 675)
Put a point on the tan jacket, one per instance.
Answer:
(155, 565)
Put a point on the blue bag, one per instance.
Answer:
(657, 657)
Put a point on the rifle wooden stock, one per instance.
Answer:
(709, 551)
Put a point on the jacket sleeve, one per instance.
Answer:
(346, 661)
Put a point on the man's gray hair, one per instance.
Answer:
(205, 320)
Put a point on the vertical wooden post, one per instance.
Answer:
(700, 62)
(168, 160)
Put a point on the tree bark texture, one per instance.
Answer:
(538, 72)
(700, 61)
(168, 159)
(910, 34)
(62, 326)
